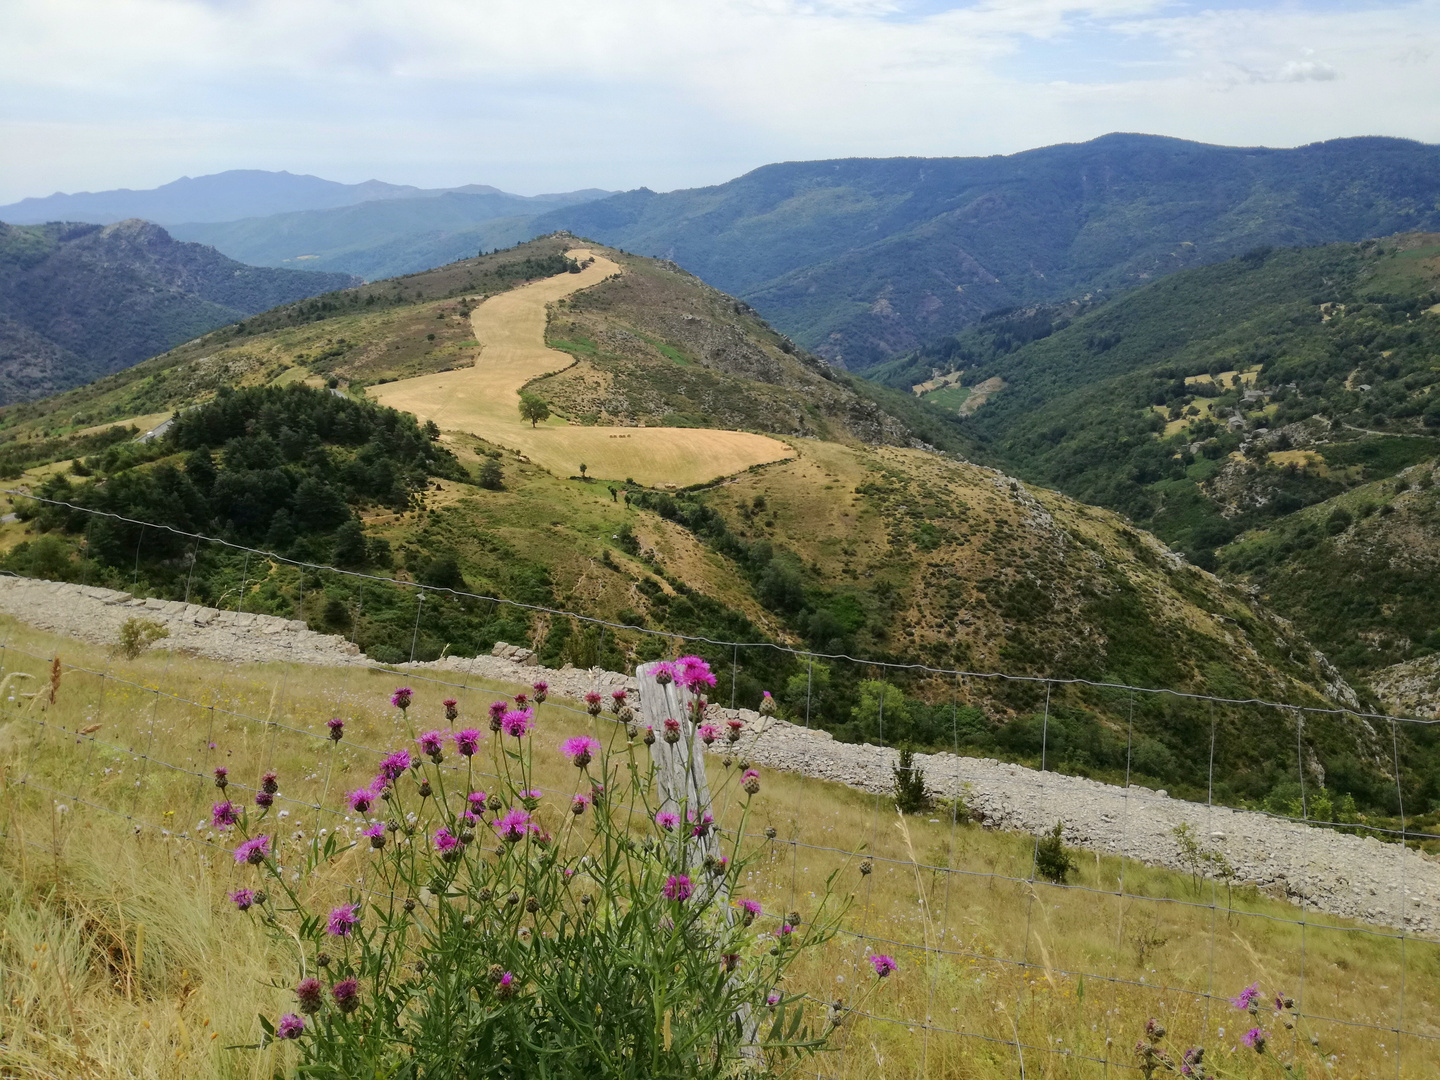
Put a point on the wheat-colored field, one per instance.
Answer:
(484, 400)
(120, 956)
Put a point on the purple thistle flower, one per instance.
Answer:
(751, 909)
(592, 703)
(580, 750)
(694, 673)
(468, 741)
(394, 765)
(665, 672)
(750, 781)
(337, 728)
(445, 842)
(476, 801)
(883, 964)
(270, 782)
(541, 689)
(311, 995)
(678, 888)
(244, 899)
(578, 804)
(222, 777)
(253, 851)
(224, 814)
(401, 698)
(772, 999)
(343, 920)
(700, 826)
(498, 709)
(530, 799)
(452, 708)
(514, 825)
(767, 704)
(466, 818)
(1255, 1039)
(346, 993)
(667, 821)
(785, 931)
(376, 833)
(360, 799)
(1248, 997)
(264, 800)
(290, 1027)
(517, 722)
(432, 742)
(708, 733)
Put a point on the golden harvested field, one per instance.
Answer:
(484, 400)
(120, 955)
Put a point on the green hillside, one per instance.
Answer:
(1223, 402)
(863, 260)
(81, 301)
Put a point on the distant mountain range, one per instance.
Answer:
(78, 301)
(863, 259)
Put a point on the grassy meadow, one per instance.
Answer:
(120, 955)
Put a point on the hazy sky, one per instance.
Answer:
(545, 95)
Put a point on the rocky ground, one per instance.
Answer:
(1351, 876)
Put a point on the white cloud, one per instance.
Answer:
(544, 94)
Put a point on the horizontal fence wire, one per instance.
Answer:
(864, 937)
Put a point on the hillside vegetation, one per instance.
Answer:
(862, 260)
(79, 301)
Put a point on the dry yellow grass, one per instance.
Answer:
(484, 400)
(120, 957)
(144, 423)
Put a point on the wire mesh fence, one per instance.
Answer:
(1023, 949)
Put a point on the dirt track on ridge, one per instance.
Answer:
(484, 400)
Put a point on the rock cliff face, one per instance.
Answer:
(81, 301)
(1349, 876)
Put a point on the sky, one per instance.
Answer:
(553, 95)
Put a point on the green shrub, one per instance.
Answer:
(136, 635)
(910, 794)
(1053, 861)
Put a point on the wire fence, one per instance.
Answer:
(1055, 941)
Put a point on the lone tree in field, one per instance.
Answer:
(533, 408)
(583, 467)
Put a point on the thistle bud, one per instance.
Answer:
(532, 905)
(865, 867)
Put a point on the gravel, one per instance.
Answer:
(1315, 868)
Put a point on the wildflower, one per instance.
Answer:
(592, 703)
(579, 803)
(376, 833)
(521, 701)
(730, 961)
(541, 689)
(446, 843)
(517, 722)
(580, 750)
(497, 710)
(346, 993)
(708, 733)
(343, 920)
(530, 799)
(337, 728)
(1154, 1029)
(1190, 1061)
(665, 673)
(290, 1027)
(360, 799)
(1248, 997)
(750, 781)
(771, 832)
(467, 741)
(767, 704)
(253, 851)
(431, 742)
(514, 825)
(772, 999)
(1255, 1039)
(694, 673)
(401, 698)
(865, 868)
(224, 814)
(678, 888)
(243, 898)
(617, 700)
(505, 987)
(221, 777)
(452, 708)
(476, 801)
(264, 800)
(785, 931)
(667, 820)
(672, 730)
(597, 791)
(701, 825)
(649, 735)
(394, 765)
(751, 908)
(1282, 1003)
(883, 964)
(735, 726)
(311, 995)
